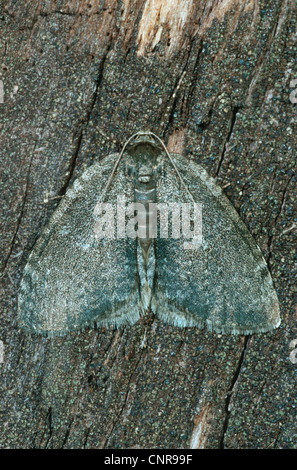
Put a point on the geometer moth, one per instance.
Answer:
(146, 231)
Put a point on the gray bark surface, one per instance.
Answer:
(214, 80)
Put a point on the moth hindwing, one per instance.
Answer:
(146, 230)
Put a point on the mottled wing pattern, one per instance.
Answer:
(225, 284)
(72, 279)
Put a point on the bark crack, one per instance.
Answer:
(67, 433)
(171, 107)
(125, 402)
(235, 110)
(84, 124)
(125, 399)
(50, 426)
(169, 114)
(194, 79)
(6, 261)
(232, 390)
(266, 52)
(274, 222)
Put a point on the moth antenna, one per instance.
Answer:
(173, 164)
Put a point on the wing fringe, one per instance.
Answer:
(170, 313)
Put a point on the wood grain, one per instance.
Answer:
(211, 78)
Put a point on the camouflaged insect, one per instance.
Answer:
(74, 279)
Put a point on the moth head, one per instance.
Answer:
(145, 150)
(143, 140)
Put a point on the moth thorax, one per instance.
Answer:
(145, 197)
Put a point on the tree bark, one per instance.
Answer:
(214, 80)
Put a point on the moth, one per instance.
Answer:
(94, 265)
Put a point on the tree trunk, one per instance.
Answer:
(214, 80)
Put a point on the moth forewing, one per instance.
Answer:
(225, 285)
